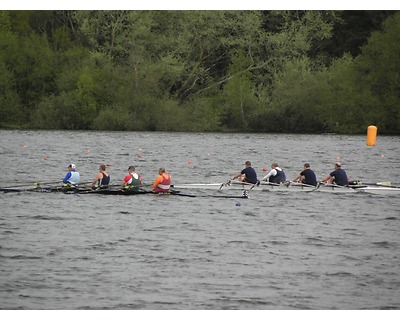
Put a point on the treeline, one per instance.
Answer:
(261, 71)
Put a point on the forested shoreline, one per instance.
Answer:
(244, 71)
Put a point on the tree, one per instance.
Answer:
(379, 66)
(239, 94)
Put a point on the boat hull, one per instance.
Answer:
(262, 186)
(379, 190)
(290, 187)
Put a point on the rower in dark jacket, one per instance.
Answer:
(102, 179)
(307, 176)
(276, 175)
(248, 174)
(338, 176)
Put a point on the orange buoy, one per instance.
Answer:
(371, 135)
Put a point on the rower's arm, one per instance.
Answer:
(271, 173)
(157, 182)
(327, 178)
(98, 177)
(237, 176)
(297, 178)
(67, 177)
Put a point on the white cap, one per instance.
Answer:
(72, 166)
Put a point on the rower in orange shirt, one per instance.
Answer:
(163, 181)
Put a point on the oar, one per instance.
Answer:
(294, 183)
(32, 183)
(255, 184)
(177, 193)
(12, 190)
(382, 183)
(267, 183)
(243, 183)
(225, 184)
(20, 190)
(359, 183)
(305, 185)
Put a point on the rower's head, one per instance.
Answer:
(247, 164)
(71, 167)
(306, 165)
(102, 167)
(161, 170)
(274, 165)
(338, 165)
(131, 169)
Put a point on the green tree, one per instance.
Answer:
(12, 111)
(379, 65)
(239, 94)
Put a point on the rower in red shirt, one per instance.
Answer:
(132, 179)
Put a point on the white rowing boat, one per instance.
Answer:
(291, 187)
(379, 190)
(237, 185)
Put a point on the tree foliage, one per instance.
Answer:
(270, 71)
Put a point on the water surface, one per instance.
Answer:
(271, 251)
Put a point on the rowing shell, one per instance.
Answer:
(291, 187)
(125, 192)
(232, 185)
(237, 185)
(379, 190)
(128, 192)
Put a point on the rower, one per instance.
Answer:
(72, 177)
(248, 174)
(338, 176)
(163, 182)
(307, 176)
(102, 179)
(276, 175)
(132, 180)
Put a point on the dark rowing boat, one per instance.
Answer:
(111, 191)
(130, 192)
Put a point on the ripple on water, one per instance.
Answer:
(274, 251)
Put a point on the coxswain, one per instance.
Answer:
(72, 177)
(102, 180)
(163, 182)
(132, 179)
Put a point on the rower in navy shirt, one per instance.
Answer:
(248, 174)
(307, 176)
(338, 176)
(102, 179)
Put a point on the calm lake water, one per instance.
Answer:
(271, 251)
